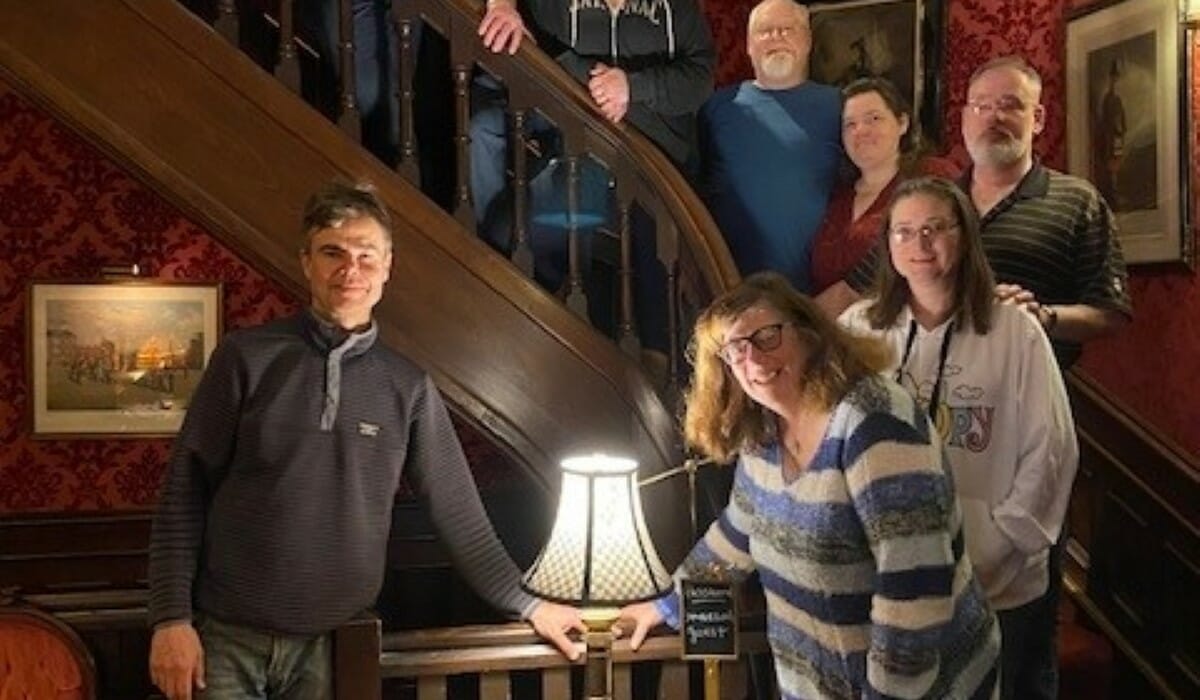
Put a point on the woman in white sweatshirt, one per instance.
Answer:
(987, 375)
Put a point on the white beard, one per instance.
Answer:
(779, 65)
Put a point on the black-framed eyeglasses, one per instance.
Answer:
(765, 339)
(931, 230)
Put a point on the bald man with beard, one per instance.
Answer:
(770, 148)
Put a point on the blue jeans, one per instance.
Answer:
(376, 81)
(548, 222)
(490, 158)
(1028, 659)
(241, 663)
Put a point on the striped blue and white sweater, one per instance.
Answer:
(869, 593)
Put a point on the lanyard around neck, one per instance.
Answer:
(941, 367)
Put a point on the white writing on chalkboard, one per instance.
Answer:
(695, 634)
(702, 591)
(709, 618)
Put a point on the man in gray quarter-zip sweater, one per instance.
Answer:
(274, 519)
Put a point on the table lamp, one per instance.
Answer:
(599, 556)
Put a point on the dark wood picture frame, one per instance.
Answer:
(117, 358)
(901, 40)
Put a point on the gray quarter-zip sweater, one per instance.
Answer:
(277, 504)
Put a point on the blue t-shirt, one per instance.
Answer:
(770, 159)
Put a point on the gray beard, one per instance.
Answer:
(780, 66)
(996, 154)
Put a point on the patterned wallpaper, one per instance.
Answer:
(65, 211)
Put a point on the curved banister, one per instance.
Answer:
(688, 240)
(238, 153)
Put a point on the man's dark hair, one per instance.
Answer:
(339, 201)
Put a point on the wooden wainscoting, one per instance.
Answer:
(1134, 558)
(89, 570)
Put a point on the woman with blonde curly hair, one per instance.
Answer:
(841, 502)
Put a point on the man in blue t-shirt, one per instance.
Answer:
(770, 148)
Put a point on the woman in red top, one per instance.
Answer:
(878, 136)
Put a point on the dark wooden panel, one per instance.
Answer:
(59, 551)
(1085, 504)
(356, 649)
(1181, 575)
(1135, 553)
(1125, 569)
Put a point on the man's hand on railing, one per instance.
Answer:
(177, 659)
(502, 28)
(552, 621)
(610, 89)
(643, 617)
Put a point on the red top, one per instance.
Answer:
(841, 243)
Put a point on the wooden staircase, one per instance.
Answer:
(168, 98)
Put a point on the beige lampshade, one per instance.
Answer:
(599, 552)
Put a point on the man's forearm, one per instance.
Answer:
(1080, 323)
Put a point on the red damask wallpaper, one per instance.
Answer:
(65, 211)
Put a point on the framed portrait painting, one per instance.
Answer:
(117, 358)
(1124, 124)
(900, 40)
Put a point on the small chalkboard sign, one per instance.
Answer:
(709, 620)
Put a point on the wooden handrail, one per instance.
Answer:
(492, 651)
(237, 152)
(697, 260)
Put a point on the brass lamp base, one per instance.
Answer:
(598, 666)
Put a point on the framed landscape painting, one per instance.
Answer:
(1124, 132)
(117, 358)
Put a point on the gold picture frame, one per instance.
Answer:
(117, 358)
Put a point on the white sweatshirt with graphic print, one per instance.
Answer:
(1003, 416)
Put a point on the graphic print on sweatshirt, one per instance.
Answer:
(650, 9)
(964, 414)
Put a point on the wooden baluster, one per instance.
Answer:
(623, 682)
(409, 166)
(494, 686)
(627, 338)
(227, 21)
(576, 297)
(556, 683)
(287, 66)
(348, 119)
(734, 679)
(522, 254)
(431, 688)
(674, 681)
(356, 649)
(668, 255)
(464, 213)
